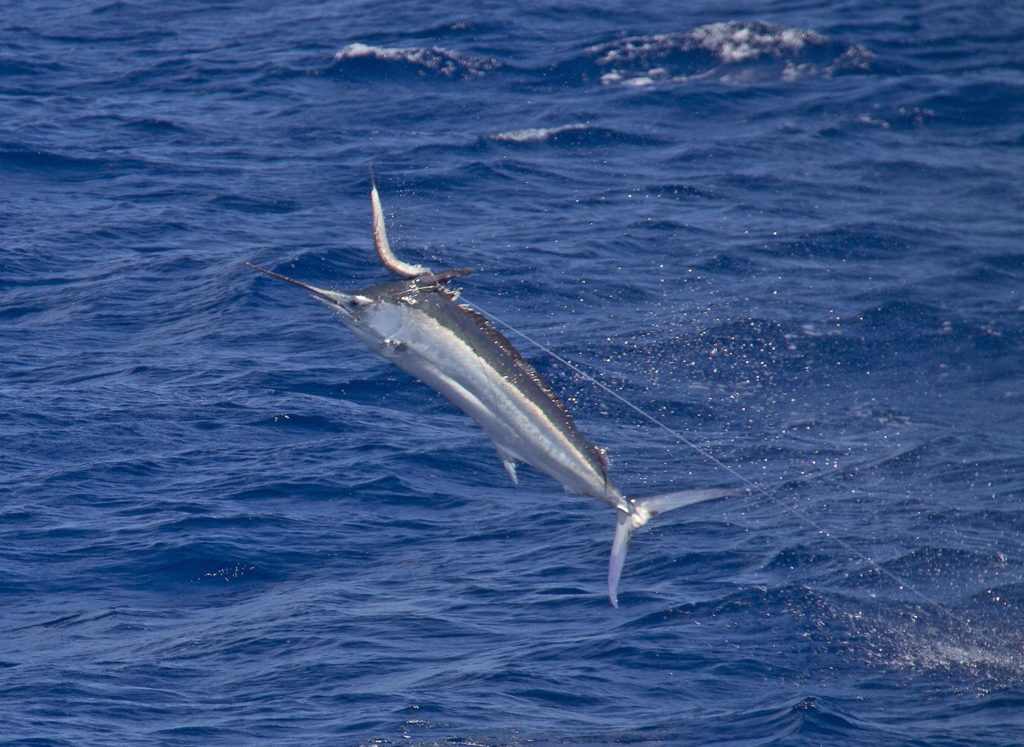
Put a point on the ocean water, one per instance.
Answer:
(789, 231)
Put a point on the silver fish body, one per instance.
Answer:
(419, 325)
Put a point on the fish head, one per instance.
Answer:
(374, 314)
(375, 318)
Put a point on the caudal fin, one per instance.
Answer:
(643, 511)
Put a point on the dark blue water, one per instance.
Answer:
(791, 231)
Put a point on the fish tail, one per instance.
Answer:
(642, 511)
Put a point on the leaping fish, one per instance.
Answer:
(418, 324)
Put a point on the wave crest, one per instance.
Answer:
(717, 49)
(537, 134)
(577, 134)
(363, 58)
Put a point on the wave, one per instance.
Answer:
(730, 51)
(575, 134)
(537, 134)
(365, 60)
(727, 51)
(20, 158)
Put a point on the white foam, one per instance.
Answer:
(638, 47)
(537, 134)
(731, 43)
(364, 50)
(639, 80)
(737, 42)
(436, 59)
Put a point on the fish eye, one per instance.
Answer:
(356, 303)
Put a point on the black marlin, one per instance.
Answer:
(418, 324)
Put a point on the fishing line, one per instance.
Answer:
(753, 487)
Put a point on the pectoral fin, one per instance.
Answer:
(509, 463)
(510, 467)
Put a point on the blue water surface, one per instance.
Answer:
(789, 231)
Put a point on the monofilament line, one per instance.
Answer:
(753, 487)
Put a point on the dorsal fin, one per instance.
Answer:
(393, 263)
(380, 240)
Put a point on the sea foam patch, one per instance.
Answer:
(421, 61)
(537, 134)
(728, 51)
(575, 134)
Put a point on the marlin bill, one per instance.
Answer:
(418, 324)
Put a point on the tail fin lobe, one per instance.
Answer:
(643, 511)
